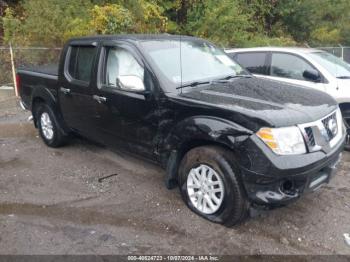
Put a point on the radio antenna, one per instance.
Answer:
(180, 64)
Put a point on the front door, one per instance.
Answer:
(75, 88)
(125, 112)
(290, 68)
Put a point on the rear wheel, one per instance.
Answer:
(49, 128)
(210, 185)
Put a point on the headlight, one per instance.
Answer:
(283, 141)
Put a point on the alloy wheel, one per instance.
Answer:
(46, 126)
(205, 189)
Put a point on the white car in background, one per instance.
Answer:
(303, 66)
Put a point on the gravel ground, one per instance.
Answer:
(57, 201)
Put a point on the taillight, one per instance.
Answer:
(18, 83)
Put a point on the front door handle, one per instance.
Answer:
(100, 99)
(65, 91)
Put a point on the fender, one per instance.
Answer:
(45, 94)
(196, 131)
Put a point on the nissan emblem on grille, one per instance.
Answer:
(332, 126)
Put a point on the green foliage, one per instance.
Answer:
(326, 36)
(111, 19)
(11, 24)
(226, 22)
(52, 22)
(317, 22)
(151, 19)
(44, 22)
(234, 23)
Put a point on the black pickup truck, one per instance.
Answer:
(230, 141)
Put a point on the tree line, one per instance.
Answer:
(229, 23)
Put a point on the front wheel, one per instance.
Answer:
(210, 185)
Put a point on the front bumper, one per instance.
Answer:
(272, 180)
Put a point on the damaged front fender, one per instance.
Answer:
(208, 129)
(199, 131)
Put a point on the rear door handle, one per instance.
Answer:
(65, 91)
(100, 99)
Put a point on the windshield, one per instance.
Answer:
(334, 65)
(200, 61)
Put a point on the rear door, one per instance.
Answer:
(75, 87)
(125, 117)
(255, 62)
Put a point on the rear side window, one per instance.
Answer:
(254, 62)
(80, 62)
(289, 66)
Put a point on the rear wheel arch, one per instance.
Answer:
(35, 105)
(48, 125)
(38, 100)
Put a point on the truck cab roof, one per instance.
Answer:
(134, 37)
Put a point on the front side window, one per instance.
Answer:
(187, 61)
(81, 61)
(289, 66)
(253, 62)
(121, 63)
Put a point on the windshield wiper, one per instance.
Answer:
(197, 83)
(343, 77)
(234, 76)
(193, 84)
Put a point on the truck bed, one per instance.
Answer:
(37, 79)
(51, 69)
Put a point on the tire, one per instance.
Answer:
(49, 128)
(346, 118)
(233, 207)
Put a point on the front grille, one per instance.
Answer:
(310, 136)
(325, 132)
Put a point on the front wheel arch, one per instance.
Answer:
(177, 155)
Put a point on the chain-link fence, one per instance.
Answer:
(28, 56)
(24, 56)
(340, 51)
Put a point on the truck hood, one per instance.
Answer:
(274, 103)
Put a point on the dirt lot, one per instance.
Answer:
(52, 202)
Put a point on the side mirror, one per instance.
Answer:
(130, 83)
(312, 75)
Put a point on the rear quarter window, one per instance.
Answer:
(255, 62)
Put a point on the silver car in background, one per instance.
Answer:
(303, 66)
